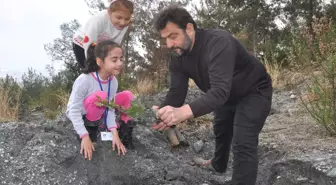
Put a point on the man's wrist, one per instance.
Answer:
(187, 112)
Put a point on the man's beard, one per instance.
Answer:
(185, 48)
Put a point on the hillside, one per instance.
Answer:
(293, 151)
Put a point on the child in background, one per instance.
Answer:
(103, 62)
(111, 24)
(126, 123)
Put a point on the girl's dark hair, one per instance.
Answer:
(99, 50)
(122, 5)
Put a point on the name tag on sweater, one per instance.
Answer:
(106, 136)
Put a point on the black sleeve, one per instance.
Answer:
(178, 86)
(222, 56)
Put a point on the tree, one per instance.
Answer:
(330, 10)
(216, 14)
(33, 84)
(95, 6)
(61, 50)
(252, 20)
(156, 54)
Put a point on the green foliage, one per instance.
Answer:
(299, 55)
(331, 11)
(53, 101)
(33, 84)
(298, 43)
(252, 19)
(124, 83)
(323, 88)
(61, 50)
(50, 94)
(323, 108)
(35, 91)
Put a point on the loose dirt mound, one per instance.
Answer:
(293, 151)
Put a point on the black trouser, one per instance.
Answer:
(93, 131)
(240, 124)
(79, 54)
(92, 127)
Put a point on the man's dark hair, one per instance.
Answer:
(174, 14)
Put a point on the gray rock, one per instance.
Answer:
(172, 175)
(292, 96)
(332, 173)
(198, 146)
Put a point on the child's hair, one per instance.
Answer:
(99, 50)
(121, 5)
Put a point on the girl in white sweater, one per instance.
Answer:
(111, 23)
(103, 62)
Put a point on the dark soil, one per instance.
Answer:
(293, 151)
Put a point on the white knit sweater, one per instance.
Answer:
(99, 27)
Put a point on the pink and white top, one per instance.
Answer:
(84, 86)
(99, 27)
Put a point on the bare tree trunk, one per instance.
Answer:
(254, 41)
(310, 19)
(311, 30)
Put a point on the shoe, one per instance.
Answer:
(204, 164)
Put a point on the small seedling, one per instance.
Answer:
(135, 110)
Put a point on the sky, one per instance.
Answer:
(26, 25)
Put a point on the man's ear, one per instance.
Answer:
(190, 29)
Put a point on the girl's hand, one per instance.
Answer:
(116, 142)
(87, 147)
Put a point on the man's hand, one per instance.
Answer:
(171, 116)
(87, 147)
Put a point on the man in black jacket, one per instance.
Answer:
(237, 88)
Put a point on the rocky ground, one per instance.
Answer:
(293, 151)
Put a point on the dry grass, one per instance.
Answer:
(309, 97)
(282, 78)
(191, 83)
(54, 102)
(9, 105)
(296, 133)
(144, 86)
(204, 121)
(315, 79)
(274, 70)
